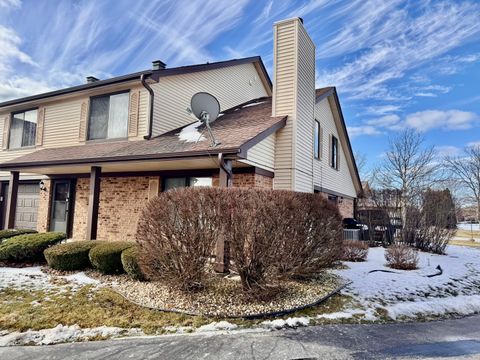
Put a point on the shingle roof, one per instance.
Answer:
(155, 74)
(234, 129)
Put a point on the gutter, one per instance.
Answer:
(150, 114)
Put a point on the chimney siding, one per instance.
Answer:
(294, 95)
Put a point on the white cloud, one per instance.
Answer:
(354, 131)
(389, 53)
(385, 121)
(437, 119)
(473, 144)
(447, 150)
(10, 3)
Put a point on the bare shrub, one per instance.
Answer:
(401, 257)
(176, 235)
(308, 233)
(354, 250)
(270, 234)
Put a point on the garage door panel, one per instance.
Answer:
(27, 206)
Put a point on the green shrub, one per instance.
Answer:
(29, 247)
(107, 257)
(70, 256)
(130, 263)
(6, 234)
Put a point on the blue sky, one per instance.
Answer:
(396, 64)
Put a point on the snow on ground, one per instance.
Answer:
(33, 278)
(468, 226)
(61, 334)
(214, 326)
(190, 133)
(412, 293)
(278, 324)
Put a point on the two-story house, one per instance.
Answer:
(86, 159)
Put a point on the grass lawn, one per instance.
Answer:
(21, 310)
(464, 243)
(467, 234)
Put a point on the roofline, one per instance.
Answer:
(96, 84)
(163, 156)
(154, 74)
(262, 136)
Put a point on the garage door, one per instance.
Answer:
(27, 206)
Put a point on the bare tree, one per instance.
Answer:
(361, 162)
(465, 170)
(408, 168)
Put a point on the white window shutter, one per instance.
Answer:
(6, 131)
(40, 126)
(82, 132)
(133, 111)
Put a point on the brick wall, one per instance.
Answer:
(44, 206)
(121, 202)
(247, 180)
(345, 206)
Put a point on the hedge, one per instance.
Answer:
(106, 257)
(70, 256)
(29, 247)
(6, 234)
(130, 263)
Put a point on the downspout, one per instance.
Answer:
(227, 168)
(150, 114)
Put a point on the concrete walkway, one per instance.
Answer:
(457, 339)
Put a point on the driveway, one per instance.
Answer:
(458, 339)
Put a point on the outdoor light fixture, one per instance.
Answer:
(42, 185)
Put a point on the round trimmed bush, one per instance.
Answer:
(29, 247)
(130, 263)
(8, 233)
(107, 257)
(354, 250)
(70, 256)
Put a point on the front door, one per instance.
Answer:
(61, 206)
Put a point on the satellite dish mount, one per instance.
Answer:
(205, 107)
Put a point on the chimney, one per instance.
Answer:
(294, 97)
(158, 65)
(91, 79)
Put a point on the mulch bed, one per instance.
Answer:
(223, 296)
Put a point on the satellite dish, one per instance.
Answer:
(206, 108)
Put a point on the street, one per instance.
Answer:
(459, 339)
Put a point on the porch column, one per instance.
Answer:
(93, 200)
(222, 253)
(12, 200)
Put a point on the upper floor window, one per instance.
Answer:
(317, 141)
(334, 153)
(108, 116)
(23, 129)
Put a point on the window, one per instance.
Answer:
(176, 182)
(23, 129)
(317, 141)
(334, 153)
(108, 116)
(333, 199)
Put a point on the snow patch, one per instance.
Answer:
(214, 326)
(461, 305)
(190, 133)
(61, 334)
(278, 324)
(82, 279)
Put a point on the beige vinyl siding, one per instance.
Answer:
(294, 95)
(324, 175)
(284, 102)
(263, 154)
(232, 85)
(305, 112)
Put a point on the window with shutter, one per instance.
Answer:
(108, 116)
